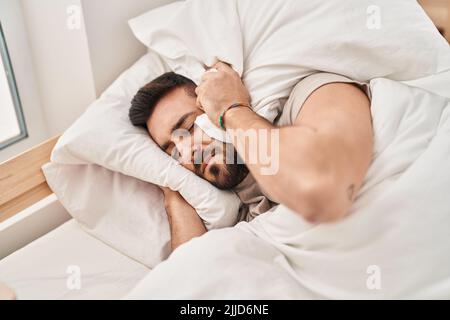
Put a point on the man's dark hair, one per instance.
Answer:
(148, 96)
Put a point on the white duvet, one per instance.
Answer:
(394, 244)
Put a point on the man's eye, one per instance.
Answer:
(169, 148)
(174, 153)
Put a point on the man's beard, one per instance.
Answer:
(234, 171)
(235, 174)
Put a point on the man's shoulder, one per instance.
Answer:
(305, 88)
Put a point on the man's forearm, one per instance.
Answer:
(322, 157)
(184, 221)
(301, 182)
(248, 121)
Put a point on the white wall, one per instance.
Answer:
(76, 66)
(72, 67)
(62, 61)
(19, 49)
(112, 46)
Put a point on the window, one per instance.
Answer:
(12, 124)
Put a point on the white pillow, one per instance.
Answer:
(126, 213)
(104, 135)
(274, 44)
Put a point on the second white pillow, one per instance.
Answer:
(104, 135)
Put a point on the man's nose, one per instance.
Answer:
(200, 136)
(191, 146)
(188, 149)
(183, 148)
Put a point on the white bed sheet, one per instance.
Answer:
(438, 83)
(42, 269)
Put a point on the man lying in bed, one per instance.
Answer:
(325, 143)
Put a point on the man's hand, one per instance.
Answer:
(6, 293)
(184, 221)
(219, 90)
(169, 196)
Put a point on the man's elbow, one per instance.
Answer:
(320, 200)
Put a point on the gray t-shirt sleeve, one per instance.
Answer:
(305, 88)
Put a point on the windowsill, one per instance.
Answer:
(9, 142)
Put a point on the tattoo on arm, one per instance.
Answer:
(350, 192)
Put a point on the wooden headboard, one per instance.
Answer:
(22, 182)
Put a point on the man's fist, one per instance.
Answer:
(219, 90)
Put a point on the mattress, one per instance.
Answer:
(68, 263)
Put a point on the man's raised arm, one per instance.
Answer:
(323, 157)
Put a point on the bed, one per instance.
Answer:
(41, 246)
(43, 250)
(43, 268)
(48, 268)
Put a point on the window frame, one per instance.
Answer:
(4, 55)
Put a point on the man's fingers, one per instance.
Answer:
(211, 70)
(208, 75)
(198, 104)
(223, 66)
(197, 101)
(199, 91)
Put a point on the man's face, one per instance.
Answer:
(172, 127)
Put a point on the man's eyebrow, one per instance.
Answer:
(177, 126)
(181, 121)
